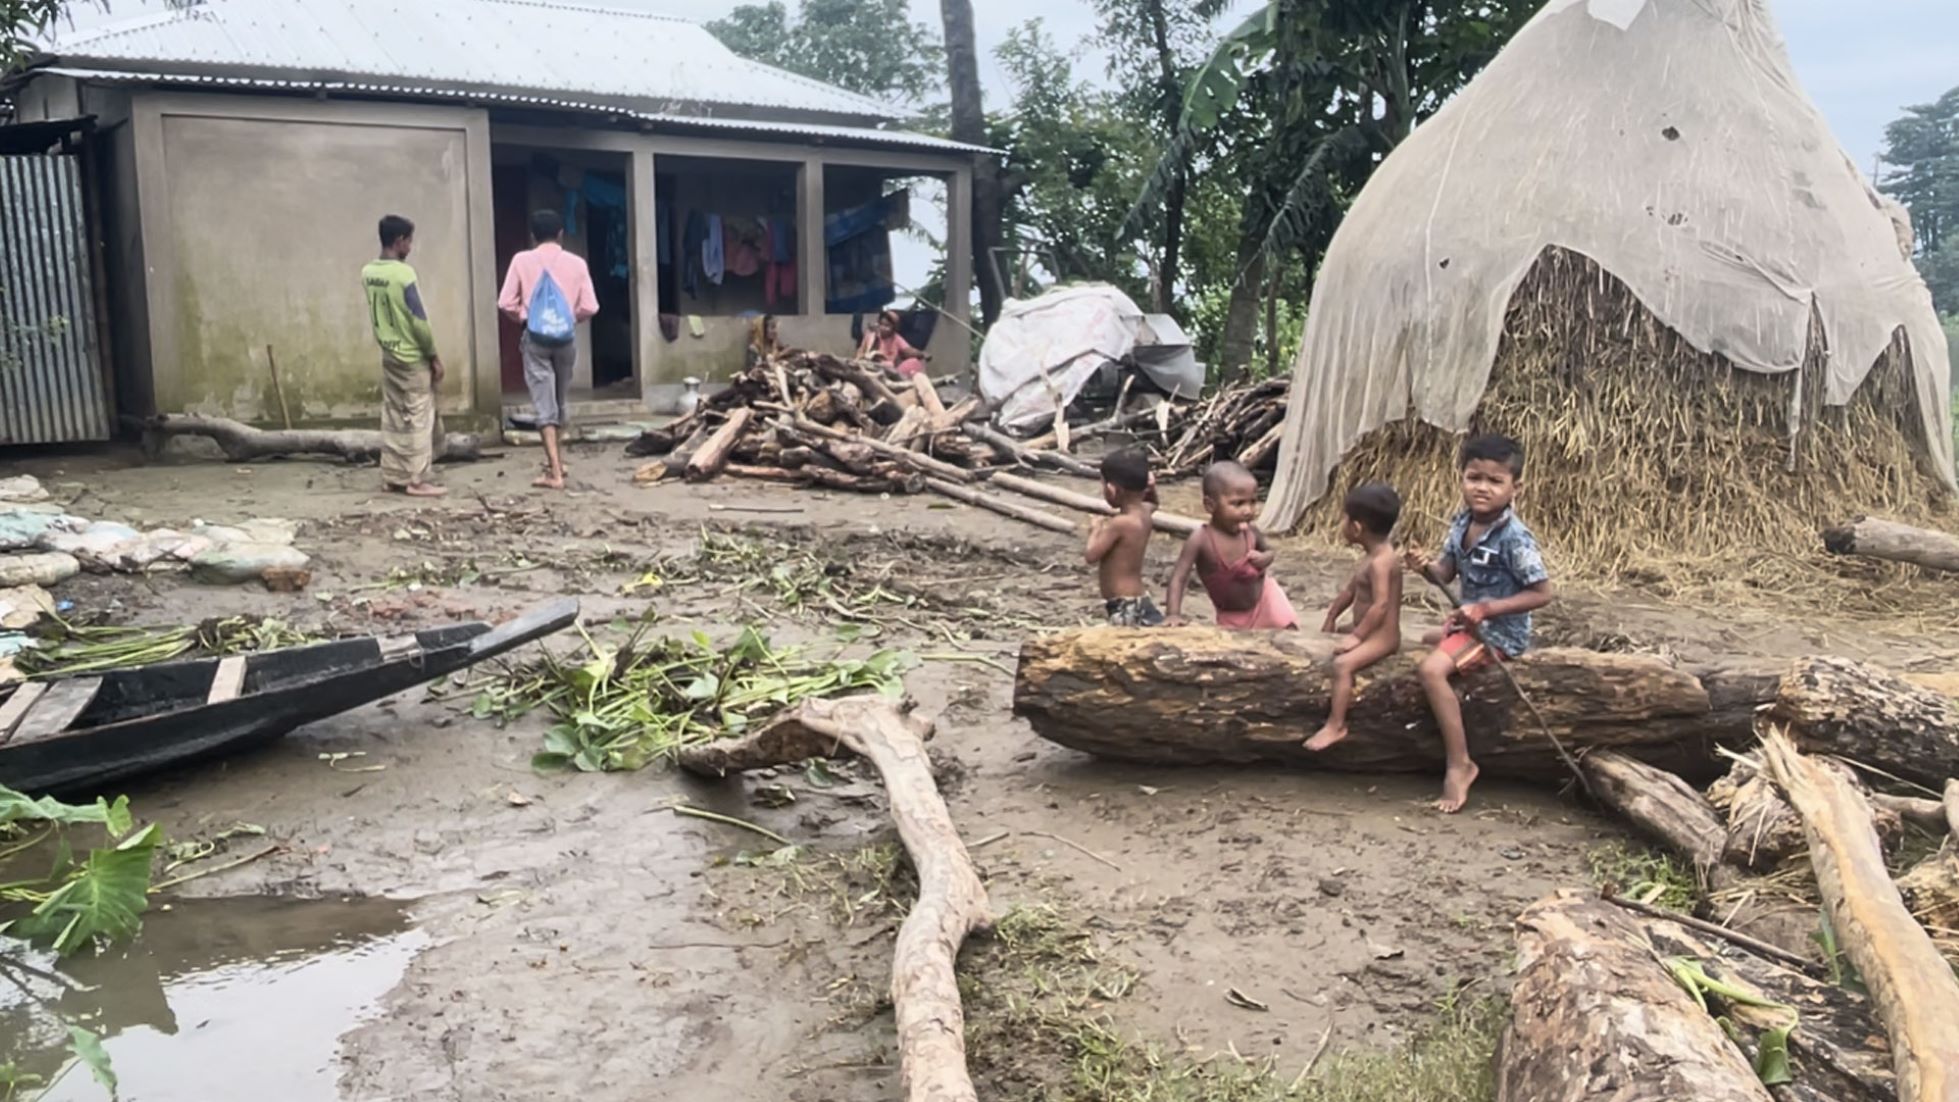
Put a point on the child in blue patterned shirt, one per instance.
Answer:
(1503, 581)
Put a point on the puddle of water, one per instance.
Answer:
(217, 1000)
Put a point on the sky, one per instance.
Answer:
(1861, 62)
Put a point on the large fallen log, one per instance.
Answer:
(242, 443)
(1857, 711)
(713, 453)
(1596, 1017)
(1875, 538)
(1911, 985)
(1198, 695)
(951, 900)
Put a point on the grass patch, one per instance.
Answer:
(1640, 872)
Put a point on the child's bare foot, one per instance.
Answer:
(1328, 735)
(549, 482)
(1455, 787)
(424, 489)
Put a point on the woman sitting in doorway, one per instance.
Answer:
(764, 341)
(886, 346)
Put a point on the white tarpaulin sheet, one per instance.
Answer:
(1668, 141)
(1041, 351)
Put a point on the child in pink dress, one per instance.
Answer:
(1231, 558)
(885, 345)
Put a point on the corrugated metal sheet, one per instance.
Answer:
(534, 45)
(51, 382)
(812, 132)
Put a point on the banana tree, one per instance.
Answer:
(1302, 99)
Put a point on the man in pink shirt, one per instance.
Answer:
(548, 291)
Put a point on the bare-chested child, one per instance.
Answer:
(1374, 595)
(1231, 558)
(1117, 544)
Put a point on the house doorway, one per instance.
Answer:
(588, 190)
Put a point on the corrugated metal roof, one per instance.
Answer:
(539, 45)
(815, 133)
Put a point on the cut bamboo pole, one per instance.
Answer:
(1163, 522)
(1000, 505)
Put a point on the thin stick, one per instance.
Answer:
(990, 839)
(277, 390)
(1503, 663)
(752, 509)
(729, 820)
(226, 867)
(1076, 846)
(1313, 1061)
(1758, 947)
(979, 659)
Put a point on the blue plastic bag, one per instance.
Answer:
(549, 320)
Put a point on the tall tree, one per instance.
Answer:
(1305, 98)
(969, 126)
(1152, 45)
(1921, 158)
(868, 46)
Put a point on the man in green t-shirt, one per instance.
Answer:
(410, 370)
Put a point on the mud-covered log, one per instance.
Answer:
(1763, 830)
(1596, 1017)
(893, 480)
(1876, 538)
(1661, 805)
(1931, 892)
(1857, 711)
(951, 900)
(1198, 695)
(241, 442)
(1911, 985)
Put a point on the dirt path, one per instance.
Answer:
(585, 942)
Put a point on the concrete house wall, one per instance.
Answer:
(240, 221)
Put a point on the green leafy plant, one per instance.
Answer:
(627, 706)
(65, 649)
(76, 905)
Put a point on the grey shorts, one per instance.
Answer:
(547, 375)
(1133, 612)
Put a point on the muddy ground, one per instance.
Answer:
(576, 939)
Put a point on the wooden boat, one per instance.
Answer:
(77, 734)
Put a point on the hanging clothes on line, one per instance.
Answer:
(693, 243)
(714, 251)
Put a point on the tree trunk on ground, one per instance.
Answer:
(1597, 1018)
(1198, 695)
(241, 442)
(1763, 830)
(1911, 985)
(1662, 806)
(951, 900)
(969, 126)
(1836, 1053)
(1855, 711)
(1875, 538)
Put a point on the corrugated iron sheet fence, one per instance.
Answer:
(52, 387)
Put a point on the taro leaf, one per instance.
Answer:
(849, 632)
(589, 760)
(106, 897)
(87, 1048)
(17, 808)
(705, 687)
(818, 775)
(483, 707)
(561, 740)
(550, 763)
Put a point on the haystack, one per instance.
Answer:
(1633, 243)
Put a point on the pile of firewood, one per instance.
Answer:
(811, 419)
(1241, 423)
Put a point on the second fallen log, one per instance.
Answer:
(1876, 538)
(1198, 695)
